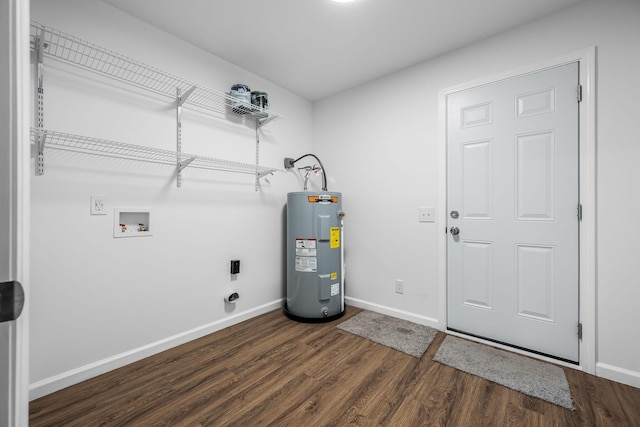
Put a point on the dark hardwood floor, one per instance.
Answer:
(273, 371)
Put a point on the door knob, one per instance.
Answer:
(11, 300)
(454, 231)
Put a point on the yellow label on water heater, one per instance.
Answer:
(334, 237)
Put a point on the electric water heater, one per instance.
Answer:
(315, 253)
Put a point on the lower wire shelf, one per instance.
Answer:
(49, 139)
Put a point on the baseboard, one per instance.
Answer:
(390, 311)
(621, 375)
(74, 376)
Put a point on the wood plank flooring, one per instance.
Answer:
(274, 371)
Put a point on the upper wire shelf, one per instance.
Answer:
(88, 145)
(88, 56)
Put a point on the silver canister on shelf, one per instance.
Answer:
(260, 100)
(241, 94)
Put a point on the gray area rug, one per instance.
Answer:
(528, 376)
(408, 337)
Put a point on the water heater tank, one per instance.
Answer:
(315, 285)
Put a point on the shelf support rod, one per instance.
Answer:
(257, 183)
(39, 104)
(40, 141)
(180, 165)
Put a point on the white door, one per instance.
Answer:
(14, 192)
(513, 200)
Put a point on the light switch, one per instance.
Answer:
(426, 215)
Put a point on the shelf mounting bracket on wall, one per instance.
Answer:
(40, 140)
(260, 172)
(181, 164)
(257, 183)
(39, 47)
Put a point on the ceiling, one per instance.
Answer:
(316, 48)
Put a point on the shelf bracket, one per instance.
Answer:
(183, 164)
(263, 174)
(263, 122)
(180, 99)
(185, 96)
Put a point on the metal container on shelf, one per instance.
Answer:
(260, 100)
(241, 94)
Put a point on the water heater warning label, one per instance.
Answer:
(334, 237)
(306, 253)
(307, 264)
(306, 243)
(335, 289)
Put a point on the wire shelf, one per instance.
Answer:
(88, 56)
(87, 145)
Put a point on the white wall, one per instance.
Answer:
(99, 302)
(380, 142)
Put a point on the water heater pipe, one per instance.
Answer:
(324, 175)
(341, 214)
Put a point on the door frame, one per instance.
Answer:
(587, 181)
(14, 129)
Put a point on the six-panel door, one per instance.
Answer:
(513, 182)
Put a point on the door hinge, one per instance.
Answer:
(579, 330)
(579, 93)
(580, 212)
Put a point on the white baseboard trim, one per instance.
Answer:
(621, 375)
(75, 376)
(393, 312)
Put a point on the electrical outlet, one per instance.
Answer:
(288, 162)
(235, 266)
(98, 205)
(399, 286)
(426, 214)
